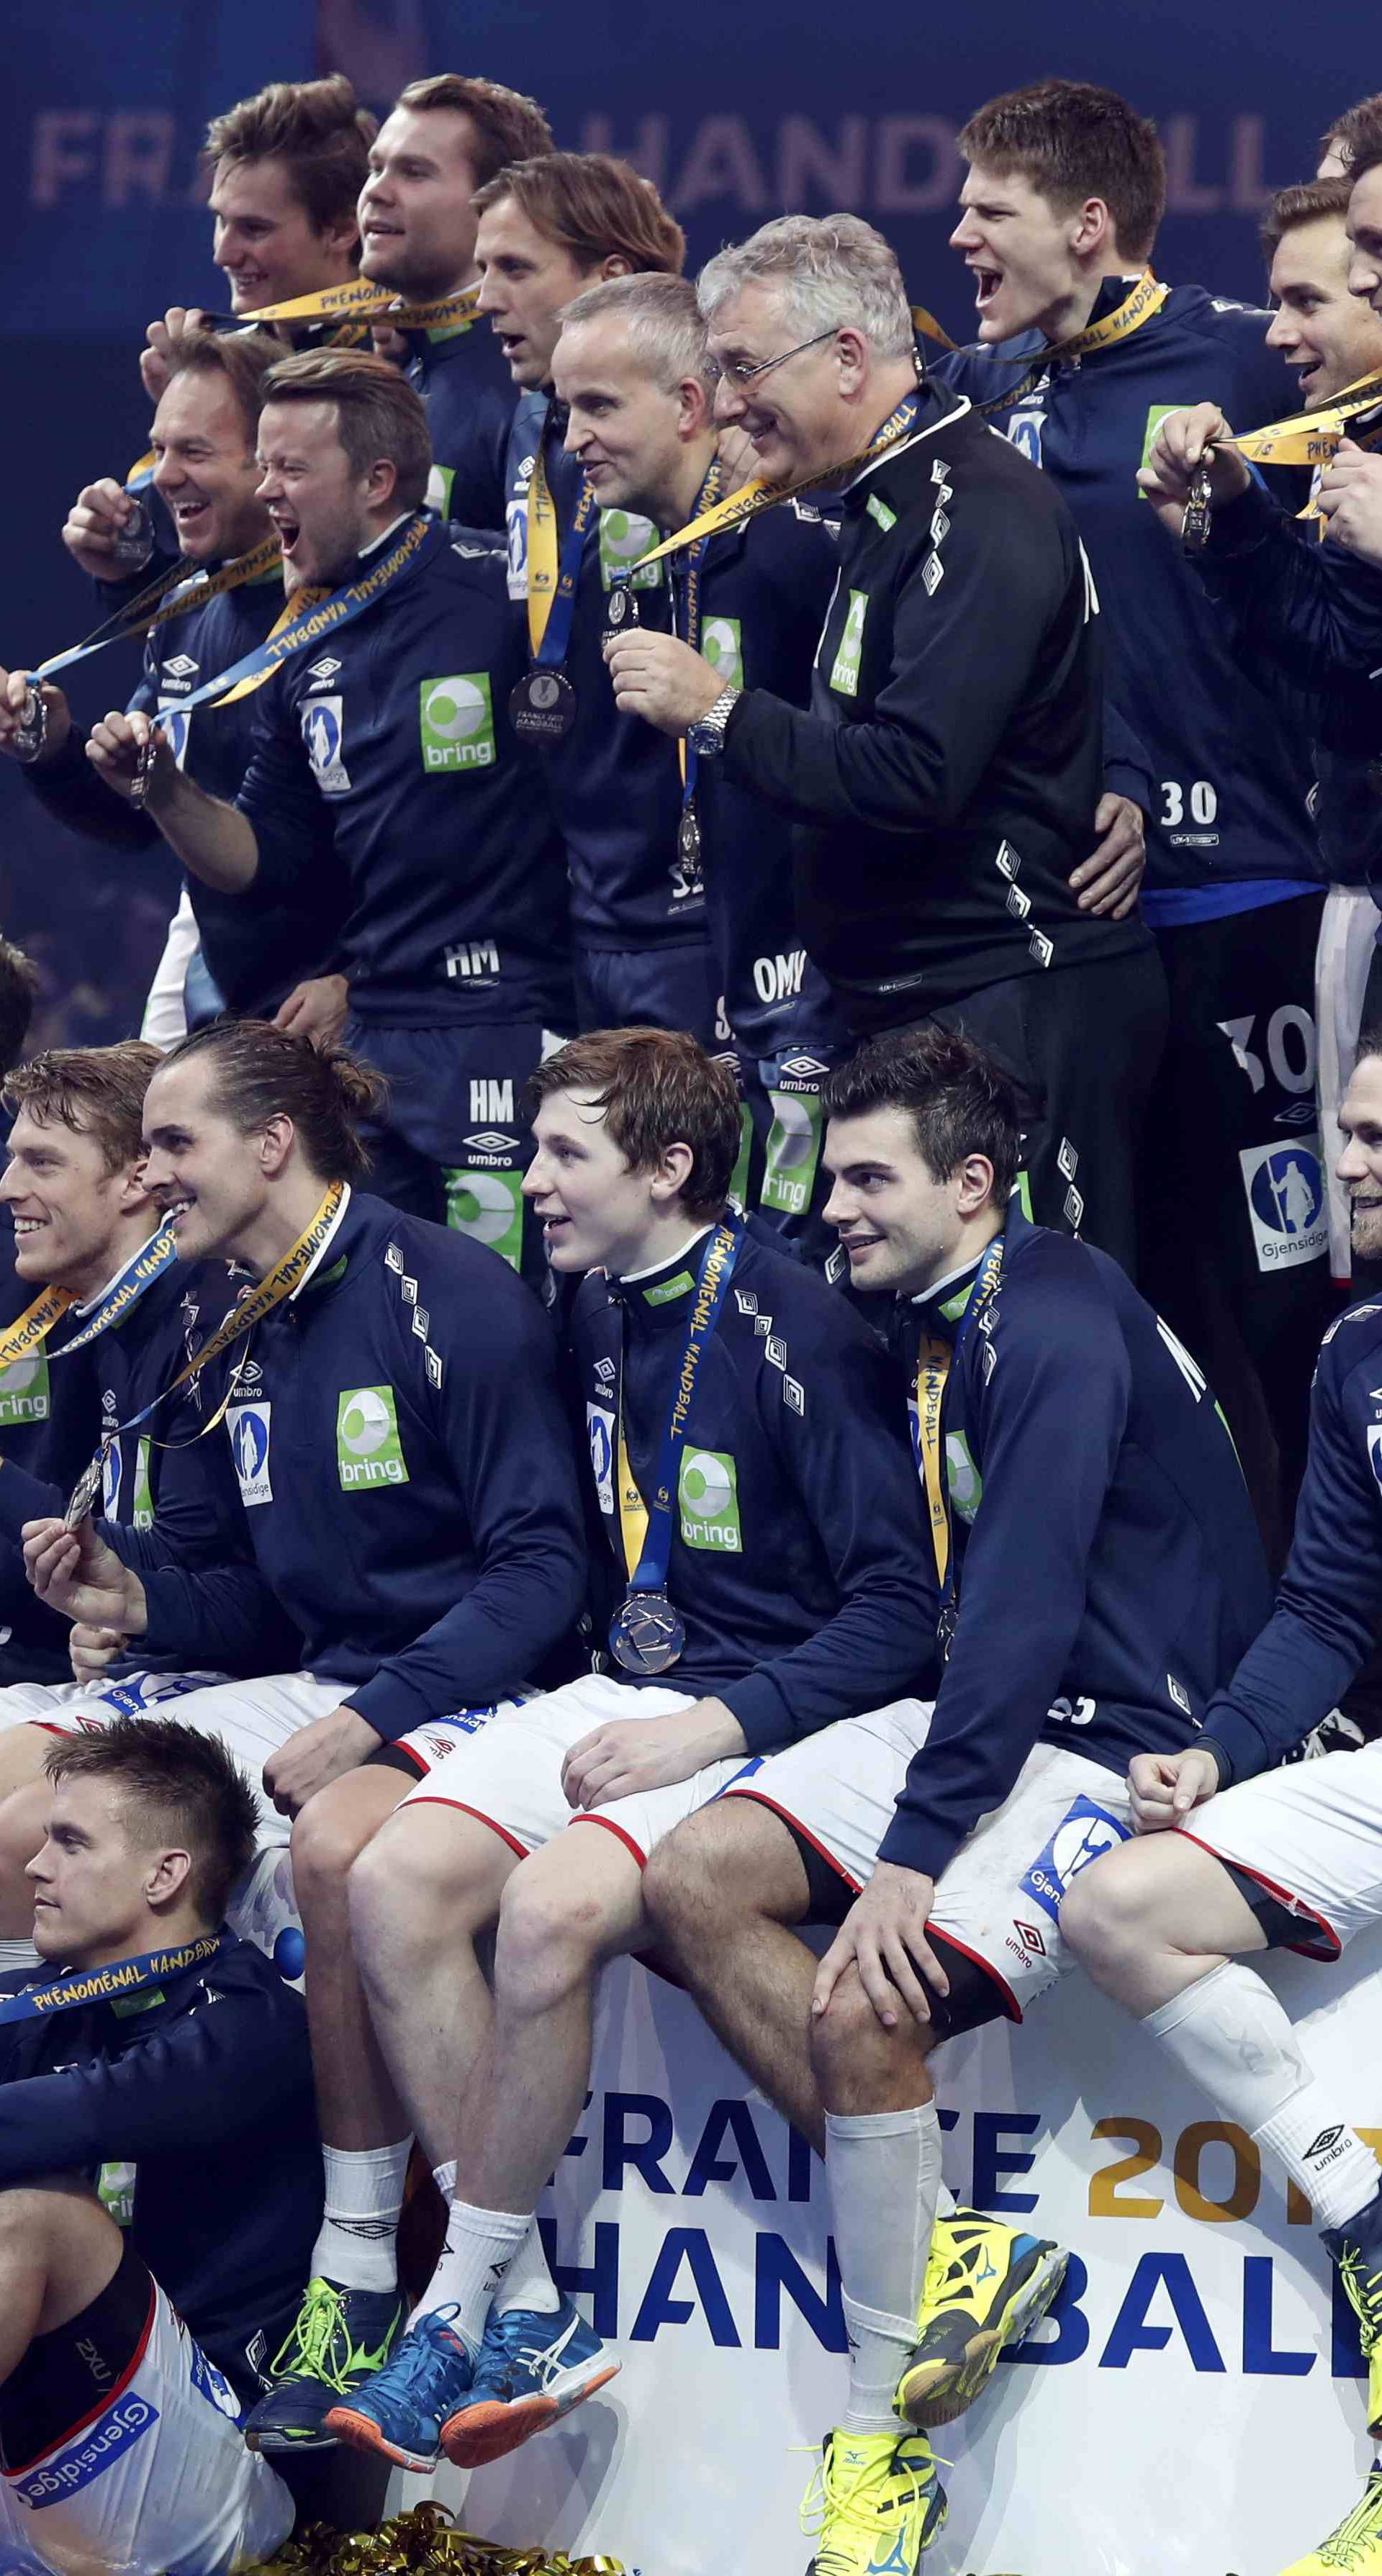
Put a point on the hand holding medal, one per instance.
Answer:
(130, 752)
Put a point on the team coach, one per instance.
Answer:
(942, 780)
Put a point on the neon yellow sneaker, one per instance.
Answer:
(1355, 2543)
(873, 2505)
(986, 2285)
(1356, 2249)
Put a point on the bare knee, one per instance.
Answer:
(1115, 1907)
(23, 1753)
(430, 1874)
(553, 1936)
(857, 2063)
(336, 1826)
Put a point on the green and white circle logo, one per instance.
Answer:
(20, 1375)
(705, 1485)
(624, 536)
(366, 1423)
(454, 710)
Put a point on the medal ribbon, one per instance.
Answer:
(553, 571)
(691, 595)
(176, 590)
(294, 632)
(936, 1361)
(1146, 299)
(32, 1328)
(1311, 438)
(646, 1528)
(278, 1283)
(360, 300)
(122, 1977)
(752, 497)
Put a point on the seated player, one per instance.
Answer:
(406, 1471)
(147, 2244)
(122, 1317)
(1099, 1571)
(1266, 1859)
(765, 1558)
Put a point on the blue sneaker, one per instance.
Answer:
(402, 2409)
(339, 2339)
(534, 2366)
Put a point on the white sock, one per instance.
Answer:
(528, 2283)
(1235, 2041)
(17, 1954)
(884, 2170)
(364, 2198)
(444, 2176)
(471, 2268)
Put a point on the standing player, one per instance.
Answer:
(941, 1839)
(943, 778)
(403, 1457)
(768, 1547)
(630, 370)
(443, 139)
(255, 954)
(389, 754)
(1081, 355)
(128, 2350)
(1269, 1859)
(548, 229)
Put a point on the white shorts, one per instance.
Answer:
(999, 1899)
(57, 1705)
(156, 2478)
(252, 1719)
(508, 1775)
(1312, 1836)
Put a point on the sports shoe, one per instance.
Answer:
(264, 1910)
(873, 2505)
(1356, 2248)
(338, 2340)
(402, 2409)
(534, 2366)
(986, 2285)
(1354, 2543)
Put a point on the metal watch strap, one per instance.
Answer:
(715, 720)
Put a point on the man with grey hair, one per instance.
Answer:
(630, 366)
(941, 783)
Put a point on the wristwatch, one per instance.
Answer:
(707, 738)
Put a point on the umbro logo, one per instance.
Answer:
(802, 1067)
(107, 1401)
(321, 674)
(488, 1140)
(1031, 1938)
(1325, 2143)
(181, 667)
(605, 1371)
(249, 1374)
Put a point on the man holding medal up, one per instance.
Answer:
(384, 749)
(256, 955)
(764, 1568)
(942, 781)
(148, 2245)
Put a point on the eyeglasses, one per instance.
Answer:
(740, 373)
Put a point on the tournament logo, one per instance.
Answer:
(1025, 432)
(1284, 1187)
(368, 1448)
(24, 1390)
(708, 1495)
(456, 722)
(1088, 1831)
(249, 1425)
(322, 731)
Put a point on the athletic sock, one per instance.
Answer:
(884, 2169)
(1232, 2037)
(356, 2247)
(444, 2176)
(528, 2283)
(472, 2267)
